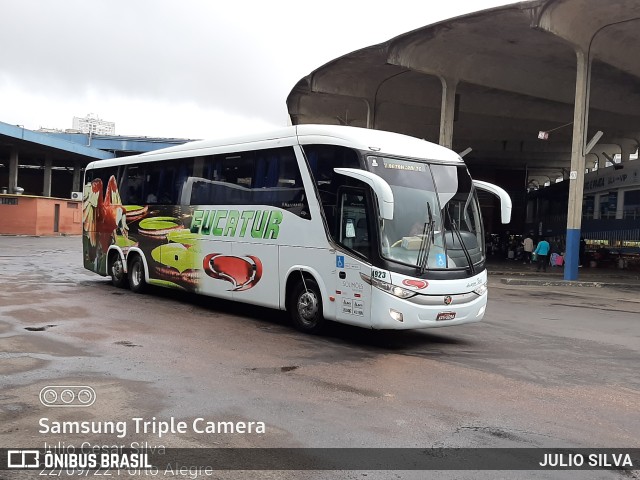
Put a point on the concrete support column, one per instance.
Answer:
(576, 182)
(626, 149)
(370, 117)
(447, 110)
(46, 187)
(620, 204)
(77, 179)
(13, 170)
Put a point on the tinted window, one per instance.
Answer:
(104, 174)
(132, 185)
(354, 225)
(322, 160)
(263, 177)
(165, 180)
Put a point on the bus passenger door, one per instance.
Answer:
(353, 294)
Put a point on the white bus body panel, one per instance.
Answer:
(422, 310)
(353, 294)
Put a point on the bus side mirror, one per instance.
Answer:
(384, 195)
(505, 199)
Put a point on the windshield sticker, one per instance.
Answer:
(441, 260)
(411, 167)
(339, 261)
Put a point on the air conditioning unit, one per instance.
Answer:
(76, 196)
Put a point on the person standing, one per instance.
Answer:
(527, 246)
(542, 252)
(582, 251)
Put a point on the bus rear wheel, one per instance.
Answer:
(305, 307)
(137, 283)
(118, 277)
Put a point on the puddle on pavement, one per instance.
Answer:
(39, 329)
(126, 343)
(274, 369)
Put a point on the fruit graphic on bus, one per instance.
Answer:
(159, 227)
(136, 212)
(177, 264)
(242, 272)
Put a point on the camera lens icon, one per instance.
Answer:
(67, 396)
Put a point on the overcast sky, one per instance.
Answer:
(184, 68)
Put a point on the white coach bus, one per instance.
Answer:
(358, 226)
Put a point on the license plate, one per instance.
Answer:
(445, 316)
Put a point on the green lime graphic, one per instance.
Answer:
(158, 223)
(175, 255)
(130, 208)
(165, 283)
(124, 242)
(183, 236)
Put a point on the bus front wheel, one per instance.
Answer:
(305, 306)
(137, 283)
(118, 277)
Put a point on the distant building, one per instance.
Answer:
(49, 130)
(94, 125)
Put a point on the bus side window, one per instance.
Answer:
(132, 186)
(154, 176)
(353, 219)
(167, 195)
(268, 177)
(288, 191)
(322, 160)
(181, 169)
(104, 174)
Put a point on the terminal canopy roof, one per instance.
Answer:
(514, 73)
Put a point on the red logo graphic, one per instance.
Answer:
(419, 284)
(242, 272)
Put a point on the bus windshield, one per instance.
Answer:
(436, 222)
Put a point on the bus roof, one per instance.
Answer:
(377, 141)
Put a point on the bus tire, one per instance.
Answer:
(305, 306)
(137, 283)
(116, 269)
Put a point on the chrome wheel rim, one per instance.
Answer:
(308, 307)
(136, 276)
(117, 270)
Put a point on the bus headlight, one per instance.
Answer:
(387, 287)
(481, 290)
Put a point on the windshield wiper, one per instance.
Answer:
(425, 244)
(465, 250)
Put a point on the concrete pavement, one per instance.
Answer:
(513, 272)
